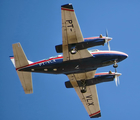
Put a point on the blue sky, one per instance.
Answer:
(36, 24)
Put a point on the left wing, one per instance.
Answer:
(90, 97)
(71, 34)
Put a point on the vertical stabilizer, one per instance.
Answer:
(13, 61)
(20, 60)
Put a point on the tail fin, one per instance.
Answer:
(13, 60)
(20, 60)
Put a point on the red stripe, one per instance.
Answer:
(40, 62)
(93, 37)
(103, 52)
(67, 9)
(94, 113)
(114, 52)
(11, 57)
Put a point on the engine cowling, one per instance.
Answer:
(82, 45)
(99, 78)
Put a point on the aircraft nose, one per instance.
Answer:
(123, 56)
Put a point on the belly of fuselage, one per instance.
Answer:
(73, 66)
(57, 66)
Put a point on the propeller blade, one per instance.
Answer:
(107, 40)
(116, 80)
(106, 33)
(108, 45)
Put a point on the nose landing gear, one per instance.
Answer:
(115, 65)
(116, 74)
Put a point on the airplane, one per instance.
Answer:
(77, 62)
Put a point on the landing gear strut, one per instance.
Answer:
(83, 90)
(115, 65)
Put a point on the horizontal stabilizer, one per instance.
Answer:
(26, 81)
(19, 56)
(20, 60)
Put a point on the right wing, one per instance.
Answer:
(90, 97)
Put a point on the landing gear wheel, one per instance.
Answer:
(115, 65)
(83, 89)
(73, 51)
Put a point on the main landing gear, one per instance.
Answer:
(73, 49)
(83, 90)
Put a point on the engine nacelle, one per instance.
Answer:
(82, 45)
(99, 78)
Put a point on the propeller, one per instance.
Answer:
(107, 39)
(117, 81)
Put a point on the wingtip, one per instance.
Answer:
(69, 6)
(29, 91)
(96, 116)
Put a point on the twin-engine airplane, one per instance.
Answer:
(77, 62)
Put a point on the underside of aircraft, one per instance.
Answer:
(78, 63)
